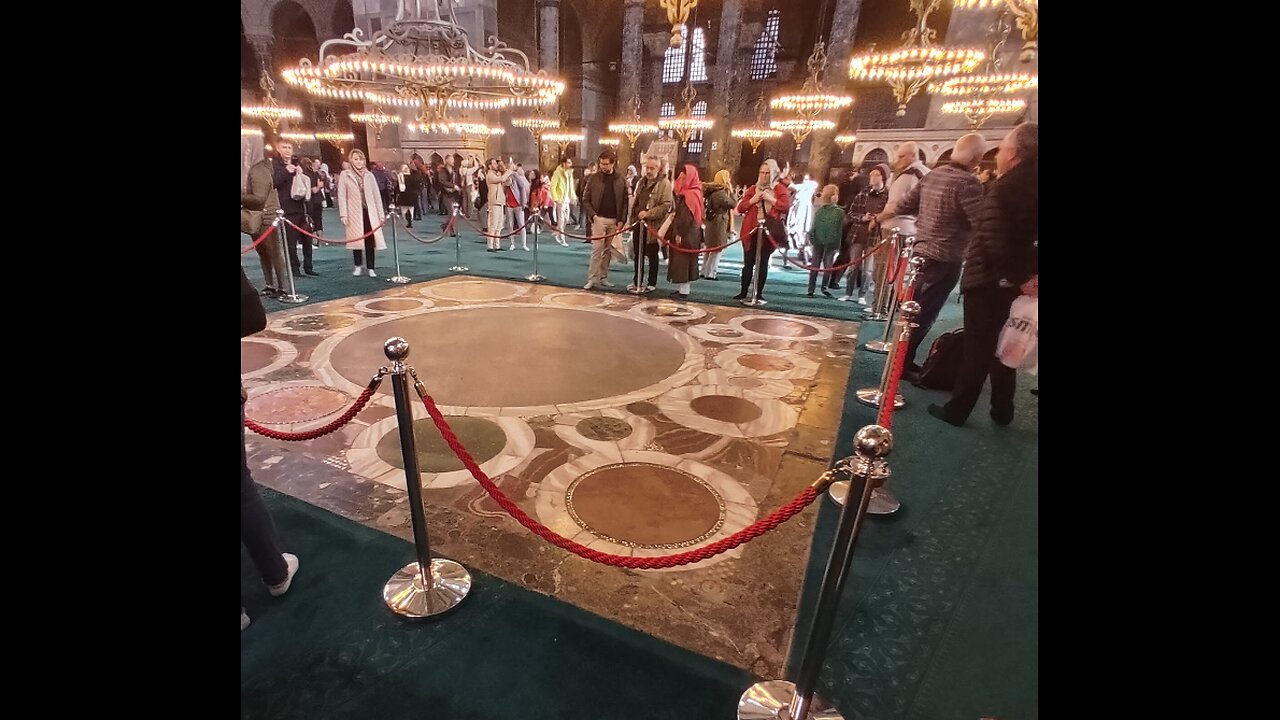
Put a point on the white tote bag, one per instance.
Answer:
(1019, 341)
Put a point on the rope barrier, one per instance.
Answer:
(833, 268)
(756, 529)
(319, 432)
(498, 237)
(448, 228)
(661, 241)
(261, 237)
(552, 229)
(308, 233)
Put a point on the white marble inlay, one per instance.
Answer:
(642, 432)
(802, 368)
(286, 353)
(365, 462)
(256, 390)
(740, 507)
(823, 332)
(599, 299)
(723, 334)
(681, 311)
(760, 386)
(775, 415)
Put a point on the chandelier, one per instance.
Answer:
(810, 101)
(1028, 14)
(563, 139)
(298, 137)
(271, 111)
(986, 84)
(844, 141)
(758, 133)
(677, 14)
(424, 59)
(687, 124)
(980, 110)
(908, 68)
(610, 141)
(250, 131)
(378, 119)
(462, 129)
(336, 139)
(635, 127)
(986, 94)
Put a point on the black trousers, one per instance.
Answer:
(986, 309)
(257, 532)
(755, 261)
(369, 244)
(933, 285)
(649, 253)
(294, 239)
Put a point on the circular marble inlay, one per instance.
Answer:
(606, 429)
(745, 382)
(725, 333)
(642, 408)
(318, 323)
(645, 505)
(394, 304)
(766, 362)
(577, 299)
(474, 291)
(725, 408)
(256, 356)
(779, 327)
(520, 355)
(667, 310)
(482, 438)
(297, 404)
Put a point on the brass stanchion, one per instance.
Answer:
(872, 396)
(536, 276)
(399, 277)
(293, 297)
(758, 262)
(778, 699)
(457, 244)
(639, 238)
(883, 299)
(430, 586)
(885, 344)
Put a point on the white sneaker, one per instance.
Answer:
(372, 273)
(650, 288)
(844, 298)
(862, 301)
(356, 271)
(244, 621)
(291, 562)
(588, 286)
(606, 283)
(526, 248)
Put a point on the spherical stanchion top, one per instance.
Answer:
(873, 441)
(396, 348)
(911, 308)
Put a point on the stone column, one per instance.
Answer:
(549, 36)
(632, 65)
(726, 75)
(844, 26)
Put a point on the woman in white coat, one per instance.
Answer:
(359, 204)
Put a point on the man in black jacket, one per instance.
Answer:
(1000, 264)
(295, 211)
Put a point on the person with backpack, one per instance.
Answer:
(720, 203)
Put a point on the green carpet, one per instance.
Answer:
(331, 649)
(939, 618)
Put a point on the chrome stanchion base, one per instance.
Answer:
(875, 316)
(634, 290)
(753, 303)
(879, 346)
(771, 699)
(459, 268)
(399, 279)
(405, 595)
(535, 277)
(871, 396)
(292, 299)
(883, 501)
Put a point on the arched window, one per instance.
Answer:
(673, 61)
(698, 68)
(695, 140)
(764, 58)
(667, 110)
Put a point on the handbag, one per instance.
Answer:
(301, 187)
(1019, 340)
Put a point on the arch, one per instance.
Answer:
(875, 154)
(294, 32)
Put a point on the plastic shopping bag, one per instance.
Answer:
(1018, 347)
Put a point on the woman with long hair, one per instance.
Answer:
(720, 199)
(359, 202)
(690, 212)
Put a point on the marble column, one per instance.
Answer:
(727, 75)
(549, 36)
(632, 64)
(844, 25)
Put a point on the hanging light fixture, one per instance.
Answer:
(270, 110)
(908, 68)
(677, 14)
(844, 141)
(563, 139)
(336, 139)
(635, 127)
(610, 141)
(687, 124)
(810, 101)
(757, 133)
(424, 59)
(462, 129)
(1028, 14)
(378, 119)
(979, 97)
(250, 131)
(298, 137)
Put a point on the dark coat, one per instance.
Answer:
(719, 210)
(282, 180)
(682, 266)
(1003, 245)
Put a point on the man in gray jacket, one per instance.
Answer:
(652, 202)
(519, 189)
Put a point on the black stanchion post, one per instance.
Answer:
(639, 238)
(457, 244)
(293, 297)
(535, 277)
(750, 300)
(399, 277)
(777, 699)
(430, 586)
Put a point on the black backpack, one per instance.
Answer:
(940, 368)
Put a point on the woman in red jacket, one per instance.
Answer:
(765, 203)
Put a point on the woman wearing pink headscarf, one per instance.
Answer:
(682, 268)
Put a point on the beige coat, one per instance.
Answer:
(353, 220)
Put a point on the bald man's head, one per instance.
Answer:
(907, 153)
(968, 151)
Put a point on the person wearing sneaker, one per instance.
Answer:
(720, 203)
(604, 200)
(765, 203)
(650, 206)
(829, 224)
(862, 212)
(257, 532)
(359, 203)
(284, 168)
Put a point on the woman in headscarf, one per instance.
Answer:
(682, 268)
(764, 205)
(719, 227)
(358, 203)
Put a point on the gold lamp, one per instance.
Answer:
(686, 124)
(757, 133)
(677, 13)
(810, 101)
(270, 111)
(1028, 14)
(378, 119)
(635, 127)
(563, 139)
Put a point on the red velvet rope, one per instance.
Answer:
(261, 237)
(661, 241)
(319, 432)
(833, 268)
(555, 231)
(760, 527)
(448, 228)
(885, 419)
(498, 237)
(308, 233)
